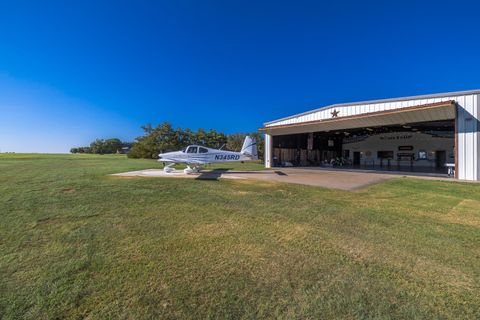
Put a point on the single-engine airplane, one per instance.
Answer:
(196, 156)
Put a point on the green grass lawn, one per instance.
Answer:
(77, 243)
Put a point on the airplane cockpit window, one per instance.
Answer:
(202, 150)
(192, 150)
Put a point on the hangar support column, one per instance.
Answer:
(268, 151)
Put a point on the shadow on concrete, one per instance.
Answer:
(378, 171)
(211, 175)
(280, 173)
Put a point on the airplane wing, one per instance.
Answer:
(196, 161)
(183, 161)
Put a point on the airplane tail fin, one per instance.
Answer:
(249, 148)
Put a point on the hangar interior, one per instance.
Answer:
(414, 147)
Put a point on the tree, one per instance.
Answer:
(200, 137)
(84, 150)
(214, 139)
(156, 140)
(165, 138)
(185, 137)
(260, 143)
(97, 146)
(101, 146)
(235, 141)
(112, 145)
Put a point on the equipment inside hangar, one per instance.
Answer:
(420, 147)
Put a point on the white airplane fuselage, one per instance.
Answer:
(212, 156)
(197, 156)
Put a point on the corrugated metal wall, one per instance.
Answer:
(468, 137)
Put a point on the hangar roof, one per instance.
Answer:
(419, 113)
(429, 98)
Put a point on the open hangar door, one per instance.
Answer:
(415, 147)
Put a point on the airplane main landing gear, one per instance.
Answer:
(189, 170)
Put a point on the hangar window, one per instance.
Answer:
(192, 150)
(203, 150)
(422, 155)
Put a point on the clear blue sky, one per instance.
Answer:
(72, 71)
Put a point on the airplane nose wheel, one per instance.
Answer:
(168, 168)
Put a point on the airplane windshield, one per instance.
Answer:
(184, 149)
(192, 150)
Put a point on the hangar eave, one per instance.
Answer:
(419, 113)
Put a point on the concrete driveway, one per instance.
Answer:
(334, 179)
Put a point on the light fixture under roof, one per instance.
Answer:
(406, 127)
(369, 129)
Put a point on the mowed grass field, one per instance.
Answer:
(76, 243)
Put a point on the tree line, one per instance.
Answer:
(103, 146)
(164, 138)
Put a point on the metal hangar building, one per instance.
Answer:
(424, 134)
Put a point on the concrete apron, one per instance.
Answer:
(320, 177)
